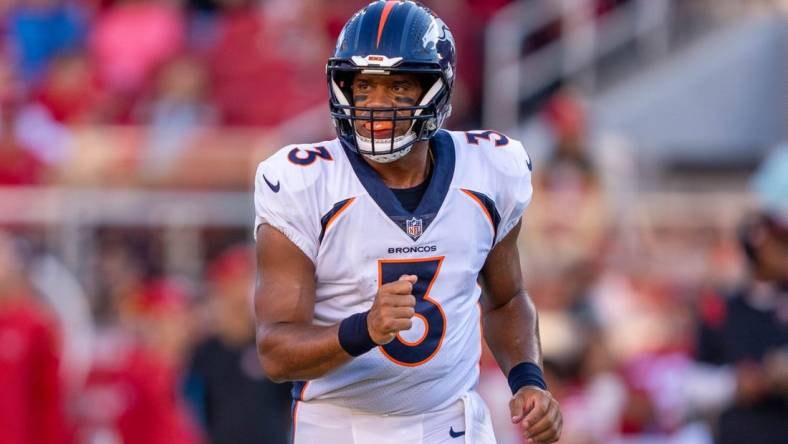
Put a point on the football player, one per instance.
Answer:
(370, 247)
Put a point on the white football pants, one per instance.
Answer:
(465, 422)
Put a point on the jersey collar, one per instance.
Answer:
(415, 223)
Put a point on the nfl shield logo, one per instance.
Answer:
(413, 227)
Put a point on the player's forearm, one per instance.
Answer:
(298, 352)
(512, 333)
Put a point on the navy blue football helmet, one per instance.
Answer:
(392, 37)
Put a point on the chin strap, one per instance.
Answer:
(388, 158)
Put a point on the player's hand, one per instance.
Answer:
(392, 310)
(538, 412)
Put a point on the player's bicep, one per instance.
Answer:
(285, 291)
(501, 275)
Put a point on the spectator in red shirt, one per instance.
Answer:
(130, 395)
(70, 90)
(256, 82)
(31, 410)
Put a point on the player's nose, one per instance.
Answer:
(377, 98)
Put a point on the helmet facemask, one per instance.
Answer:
(358, 125)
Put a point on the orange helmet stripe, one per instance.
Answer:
(383, 17)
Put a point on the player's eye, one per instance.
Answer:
(401, 88)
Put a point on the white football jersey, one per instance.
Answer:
(331, 204)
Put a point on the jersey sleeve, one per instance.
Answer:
(513, 184)
(282, 199)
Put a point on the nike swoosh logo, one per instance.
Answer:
(454, 434)
(528, 162)
(274, 188)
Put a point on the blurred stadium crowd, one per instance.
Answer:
(631, 314)
(176, 68)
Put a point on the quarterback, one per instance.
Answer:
(382, 252)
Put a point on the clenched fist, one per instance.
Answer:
(392, 310)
